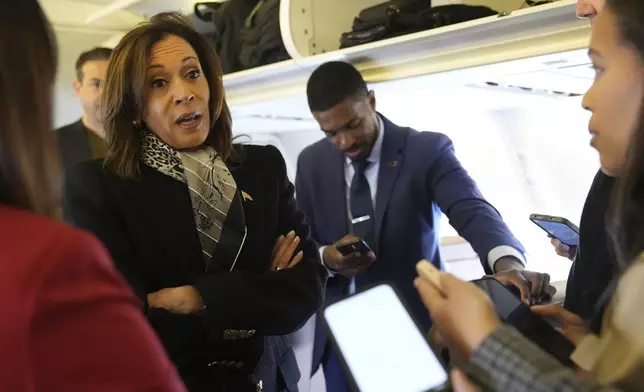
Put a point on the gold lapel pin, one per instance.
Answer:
(246, 196)
(393, 163)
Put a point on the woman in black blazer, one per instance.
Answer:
(191, 220)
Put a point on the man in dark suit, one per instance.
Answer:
(84, 139)
(387, 184)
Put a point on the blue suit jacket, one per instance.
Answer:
(419, 176)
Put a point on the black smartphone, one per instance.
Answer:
(560, 228)
(380, 345)
(514, 312)
(355, 247)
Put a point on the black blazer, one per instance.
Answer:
(595, 263)
(73, 144)
(148, 226)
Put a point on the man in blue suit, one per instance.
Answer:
(386, 184)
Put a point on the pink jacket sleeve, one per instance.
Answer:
(88, 332)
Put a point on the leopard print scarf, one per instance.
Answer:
(216, 204)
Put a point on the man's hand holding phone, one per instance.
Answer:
(347, 264)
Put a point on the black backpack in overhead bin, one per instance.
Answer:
(228, 18)
(400, 17)
(261, 38)
(247, 32)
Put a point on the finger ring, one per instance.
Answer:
(278, 268)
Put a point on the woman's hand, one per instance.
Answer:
(462, 313)
(571, 326)
(283, 251)
(460, 382)
(563, 250)
(180, 300)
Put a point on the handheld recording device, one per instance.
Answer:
(355, 247)
(514, 312)
(560, 228)
(380, 344)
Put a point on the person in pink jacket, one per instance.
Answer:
(69, 321)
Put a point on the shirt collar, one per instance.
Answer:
(376, 150)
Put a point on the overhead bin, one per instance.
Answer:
(311, 29)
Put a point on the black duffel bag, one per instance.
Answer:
(400, 17)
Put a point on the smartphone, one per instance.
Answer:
(514, 312)
(380, 345)
(355, 247)
(560, 228)
(429, 272)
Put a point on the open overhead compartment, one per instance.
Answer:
(311, 27)
(538, 48)
(497, 40)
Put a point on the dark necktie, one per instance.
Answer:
(362, 205)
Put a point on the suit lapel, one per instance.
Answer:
(335, 191)
(244, 195)
(391, 160)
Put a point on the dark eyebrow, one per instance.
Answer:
(183, 61)
(338, 129)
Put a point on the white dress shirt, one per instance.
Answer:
(371, 172)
